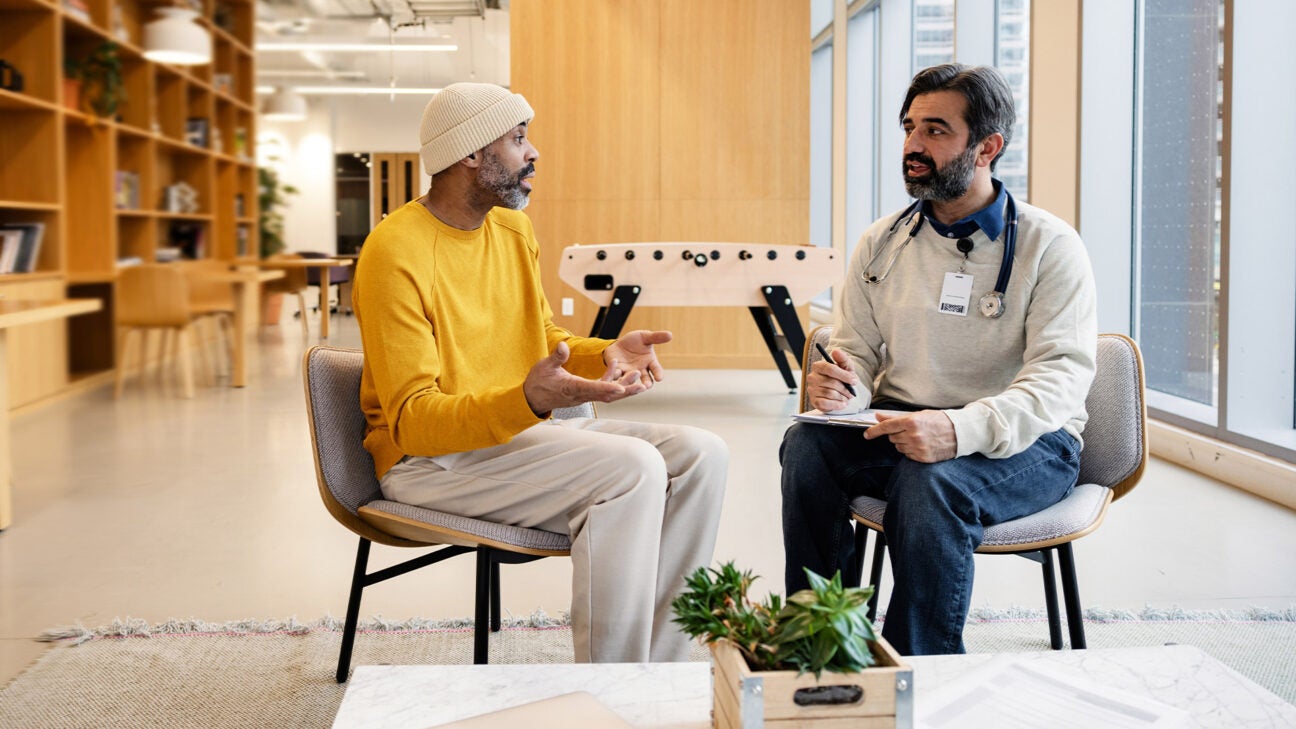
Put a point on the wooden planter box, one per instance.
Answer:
(746, 699)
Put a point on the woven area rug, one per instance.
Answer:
(280, 673)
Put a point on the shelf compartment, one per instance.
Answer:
(135, 238)
(28, 40)
(29, 138)
(49, 258)
(91, 345)
(90, 166)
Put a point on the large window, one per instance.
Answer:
(821, 158)
(861, 124)
(933, 33)
(1012, 57)
(1178, 203)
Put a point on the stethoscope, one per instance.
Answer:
(992, 304)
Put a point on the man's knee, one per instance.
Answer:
(923, 489)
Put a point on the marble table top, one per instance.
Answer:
(678, 695)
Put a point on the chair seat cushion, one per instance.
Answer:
(1071, 517)
(502, 535)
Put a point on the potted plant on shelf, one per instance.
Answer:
(815, 658)
(271, 196)
(97, 81)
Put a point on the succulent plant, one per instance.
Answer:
(824, 628)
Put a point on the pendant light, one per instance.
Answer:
(284, 105)
(176, 38)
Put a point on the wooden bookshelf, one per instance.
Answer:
(100, 186)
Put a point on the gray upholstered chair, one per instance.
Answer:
(350, 491)
(1111, 464)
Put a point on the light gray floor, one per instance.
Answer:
(157, 507)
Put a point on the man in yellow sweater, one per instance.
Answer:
(463, 366)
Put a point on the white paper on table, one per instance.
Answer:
(1011, 693)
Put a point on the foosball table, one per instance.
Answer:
(770, 280)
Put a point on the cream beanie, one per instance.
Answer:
(464, 117)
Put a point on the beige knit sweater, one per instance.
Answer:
(1003, 382)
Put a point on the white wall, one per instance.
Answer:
(302, 153)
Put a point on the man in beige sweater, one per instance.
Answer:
(970, 317)
(463, 365)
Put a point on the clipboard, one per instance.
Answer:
(863, 419)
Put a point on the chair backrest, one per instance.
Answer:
(1115, 438)
(344, 469)
(206, 293)
(152, 295)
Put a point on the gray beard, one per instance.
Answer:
(947, 183)
(504, 184)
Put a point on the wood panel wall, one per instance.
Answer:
(670, 120)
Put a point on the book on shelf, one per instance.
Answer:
(29, 247)
(128, 190)
(166, 254)
(10, 241)
(241, 238)
(196, 131)
(129, 261)
(78, 9)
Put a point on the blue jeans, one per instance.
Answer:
(935, 517)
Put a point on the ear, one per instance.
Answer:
(991, 146)
(471, 160)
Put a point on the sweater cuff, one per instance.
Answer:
(515, 414)
(587, 357)
(970, 429)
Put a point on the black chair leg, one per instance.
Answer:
(856, 567)
(875, 575)
(1050, 599)
(495, 597)
(353, 610)
(1071, 596)
(481, 620)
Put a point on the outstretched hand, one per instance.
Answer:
(926, 436)
(549, 386)
(634, 353)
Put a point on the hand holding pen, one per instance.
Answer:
(823, 394)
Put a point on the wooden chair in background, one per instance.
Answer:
(210, 298)
(150, 297)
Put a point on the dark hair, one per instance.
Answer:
(989, 100)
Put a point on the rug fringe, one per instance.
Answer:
(138, 628)
(1147, 614)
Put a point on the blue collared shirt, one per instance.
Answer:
(989, 218)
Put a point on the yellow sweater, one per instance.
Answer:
(451, 321)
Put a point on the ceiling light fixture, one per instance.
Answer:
(350, 90)
(356, 47)
(299, 73)
(284, 105)
(176, 38)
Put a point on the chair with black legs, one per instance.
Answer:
(1111, 464)
(350, 491)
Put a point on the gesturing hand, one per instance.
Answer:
(549, 386)
(634, 353)
(926, 436)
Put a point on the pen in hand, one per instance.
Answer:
(826, 356)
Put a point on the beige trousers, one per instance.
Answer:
(640, 501)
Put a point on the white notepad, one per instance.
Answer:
(861, 419)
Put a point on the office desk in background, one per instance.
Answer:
(247, 312)
(323, 264)
(16, 313)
